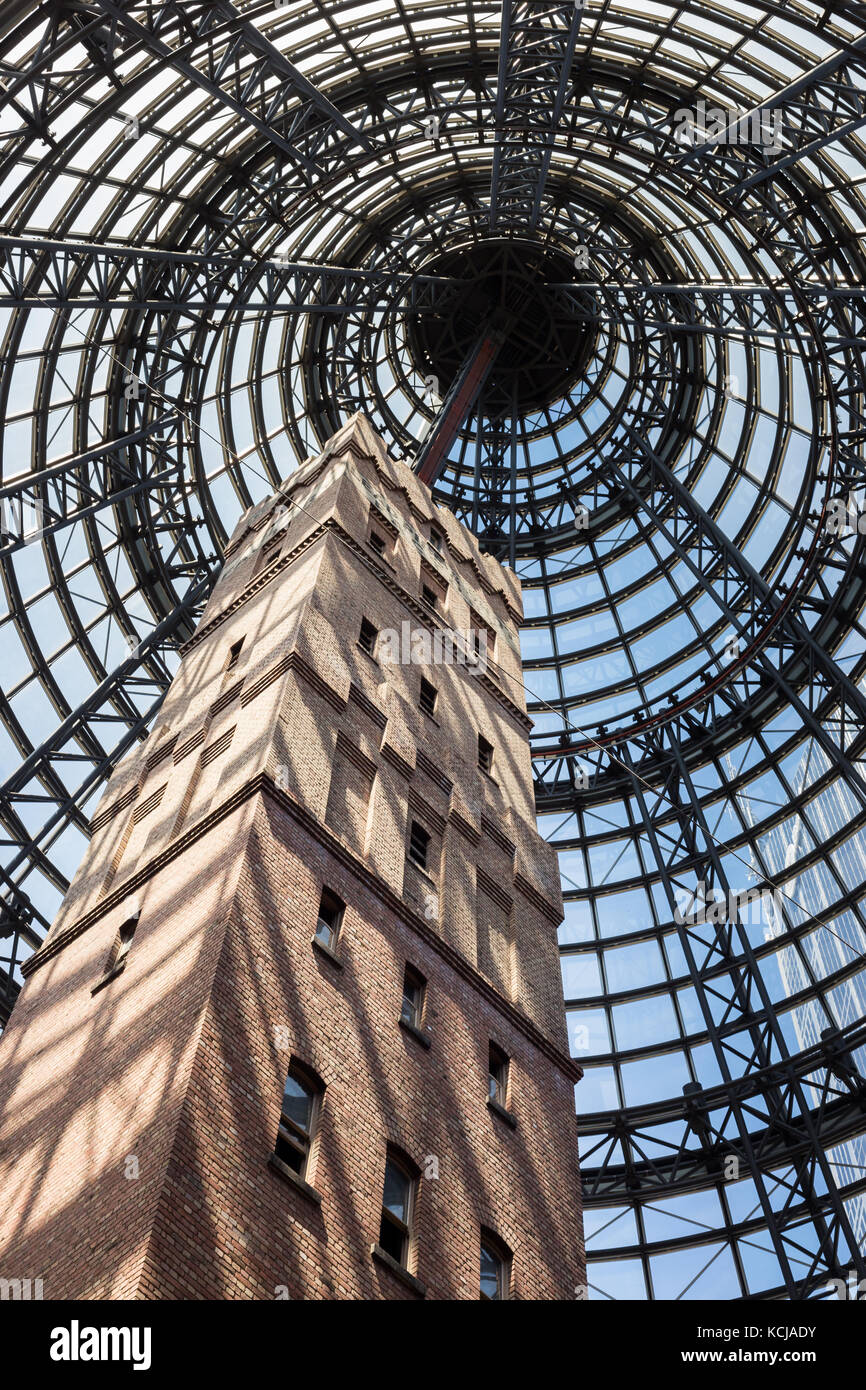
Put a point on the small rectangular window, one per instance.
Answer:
(119, 949)
(395, 1229)
(412, 1008)
(299, 1110)
(436, 538)
(427, 698)
(419, 845)
(498, 1078)
(381, 534)
(234, 654)
(482, 638)
(330, 918)
(434, 589)
(368, 635)
(485, 754)
(495, 1268)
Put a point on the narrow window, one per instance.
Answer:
(377, 543)
(434, 590)
(480, 635)
(119, 949)
(498, 1080)
(436, 538)
(234, 654)
(495, 1268)
(395, 1231)
(367, 639)
(485, 754)
(427, 698)
(331, 910)
(412, 1010)
(419, 845)
(300, 1108)
(269, 551)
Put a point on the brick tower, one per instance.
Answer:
(297, 1030)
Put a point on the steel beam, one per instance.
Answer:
(42, 272)
(458, 403)
(242, 70)
(536, 49)
(73, 490)
(728, 1005)
(144, 670)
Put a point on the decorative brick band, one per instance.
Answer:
(526, 889)
(407, 599)
(189, 744)
(494, 890)
(109, 812)
(435, 773)
(225, 699)
(496, 835)
(353, 754)
(165, 747)
(422, 807)
(262, 783)
(259, 686)
(390, 754)
(218, 746)
(358, 697)
(467, 830)
(149, 805)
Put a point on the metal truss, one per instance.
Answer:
(769, 640)
(815, 110)
(536, 50)
(811, 1223)
(624, 1165)
(190, 306)
(37, 273)
(42, 503)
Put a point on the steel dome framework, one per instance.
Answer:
(633, 363)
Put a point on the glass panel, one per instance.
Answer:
(325, 932)
(648, 1020)
(587, 1031)
(491, 1273)
(397, 1190)
(298, 1103)
(629, 967)
(581, 975)
(619, 913)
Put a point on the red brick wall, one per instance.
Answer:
(90, 1080)
(382, 1087)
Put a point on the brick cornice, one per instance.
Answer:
(493, 890)
(488, 828)
(544, 905)
(263, 784)
(464, 826)
(53, 946)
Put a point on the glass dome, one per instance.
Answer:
(226, 228)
